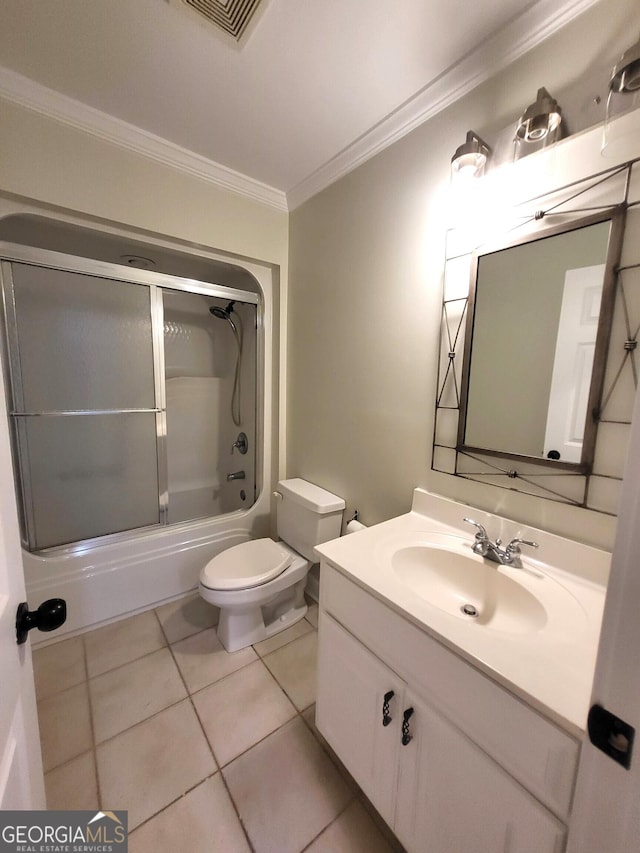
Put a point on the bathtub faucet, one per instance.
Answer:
(237, 475)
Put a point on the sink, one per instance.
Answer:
(467, 586)
(443, 571)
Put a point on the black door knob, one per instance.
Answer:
(50, 615)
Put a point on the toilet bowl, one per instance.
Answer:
(259, 585)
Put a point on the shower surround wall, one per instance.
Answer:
(122, 576)
(200, 363)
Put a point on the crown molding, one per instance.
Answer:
(522, 34)
(40, 99)
(518, 37)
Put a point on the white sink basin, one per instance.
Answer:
(443, 571)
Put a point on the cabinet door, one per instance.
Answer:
(453, 797)
(352, 684)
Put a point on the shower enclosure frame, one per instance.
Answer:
(156, 282)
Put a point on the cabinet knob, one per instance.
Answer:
(386, 717)
(407, 737)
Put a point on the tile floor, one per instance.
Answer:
(208, 751)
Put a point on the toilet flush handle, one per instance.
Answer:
(277, 496)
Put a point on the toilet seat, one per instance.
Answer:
(247, 565)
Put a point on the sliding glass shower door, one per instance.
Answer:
(120, 401)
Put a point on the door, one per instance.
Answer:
(606, 816)
(21, 779)
(351, 712)
(452, 797)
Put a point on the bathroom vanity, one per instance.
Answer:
(463, 730)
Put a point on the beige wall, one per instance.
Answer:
(53, 164)
(366, 259)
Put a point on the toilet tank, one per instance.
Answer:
(308, 516)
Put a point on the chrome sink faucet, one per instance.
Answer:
(509, 556)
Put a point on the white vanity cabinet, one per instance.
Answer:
(464, 778)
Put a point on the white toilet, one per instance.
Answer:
(259, 585)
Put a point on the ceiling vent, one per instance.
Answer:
(231, 16)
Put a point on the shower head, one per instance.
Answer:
(222, 313)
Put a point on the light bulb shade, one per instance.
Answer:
(540, 120)
(625, 77)
(471, 157)
(621, 135)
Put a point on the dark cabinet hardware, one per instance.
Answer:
(407, 737)
(386, 717)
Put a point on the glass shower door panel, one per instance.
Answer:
(84, 342)
(89, 475)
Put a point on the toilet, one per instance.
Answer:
(259, 585)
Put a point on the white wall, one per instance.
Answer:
(365, 289)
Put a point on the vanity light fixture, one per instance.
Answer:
(624, 97)
(470, 158)
(541, 120)
(625, 77)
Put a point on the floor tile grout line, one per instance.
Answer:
(167, 644)
(195, 710)
(186, 793)
(190, 695)
(289, 699)
(331, 822)
(237, 757)
(282, 687)
(93, 727)
(148, 717)
(237, 811)
(211, 749)
(35, 651)
(173, 802)
(159, 620)
(261, 740)
(354, 795)
(127, 662)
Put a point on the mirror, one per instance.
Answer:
(537, 333)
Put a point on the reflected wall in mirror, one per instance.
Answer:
(538, 324)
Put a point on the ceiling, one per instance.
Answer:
(314, 87)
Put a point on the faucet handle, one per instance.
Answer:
(515, 542)
(512, 550)
(241, 442)
(481, 544)
(482, 533)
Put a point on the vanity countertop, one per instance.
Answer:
(551, 666)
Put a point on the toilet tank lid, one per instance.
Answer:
(310, 496)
